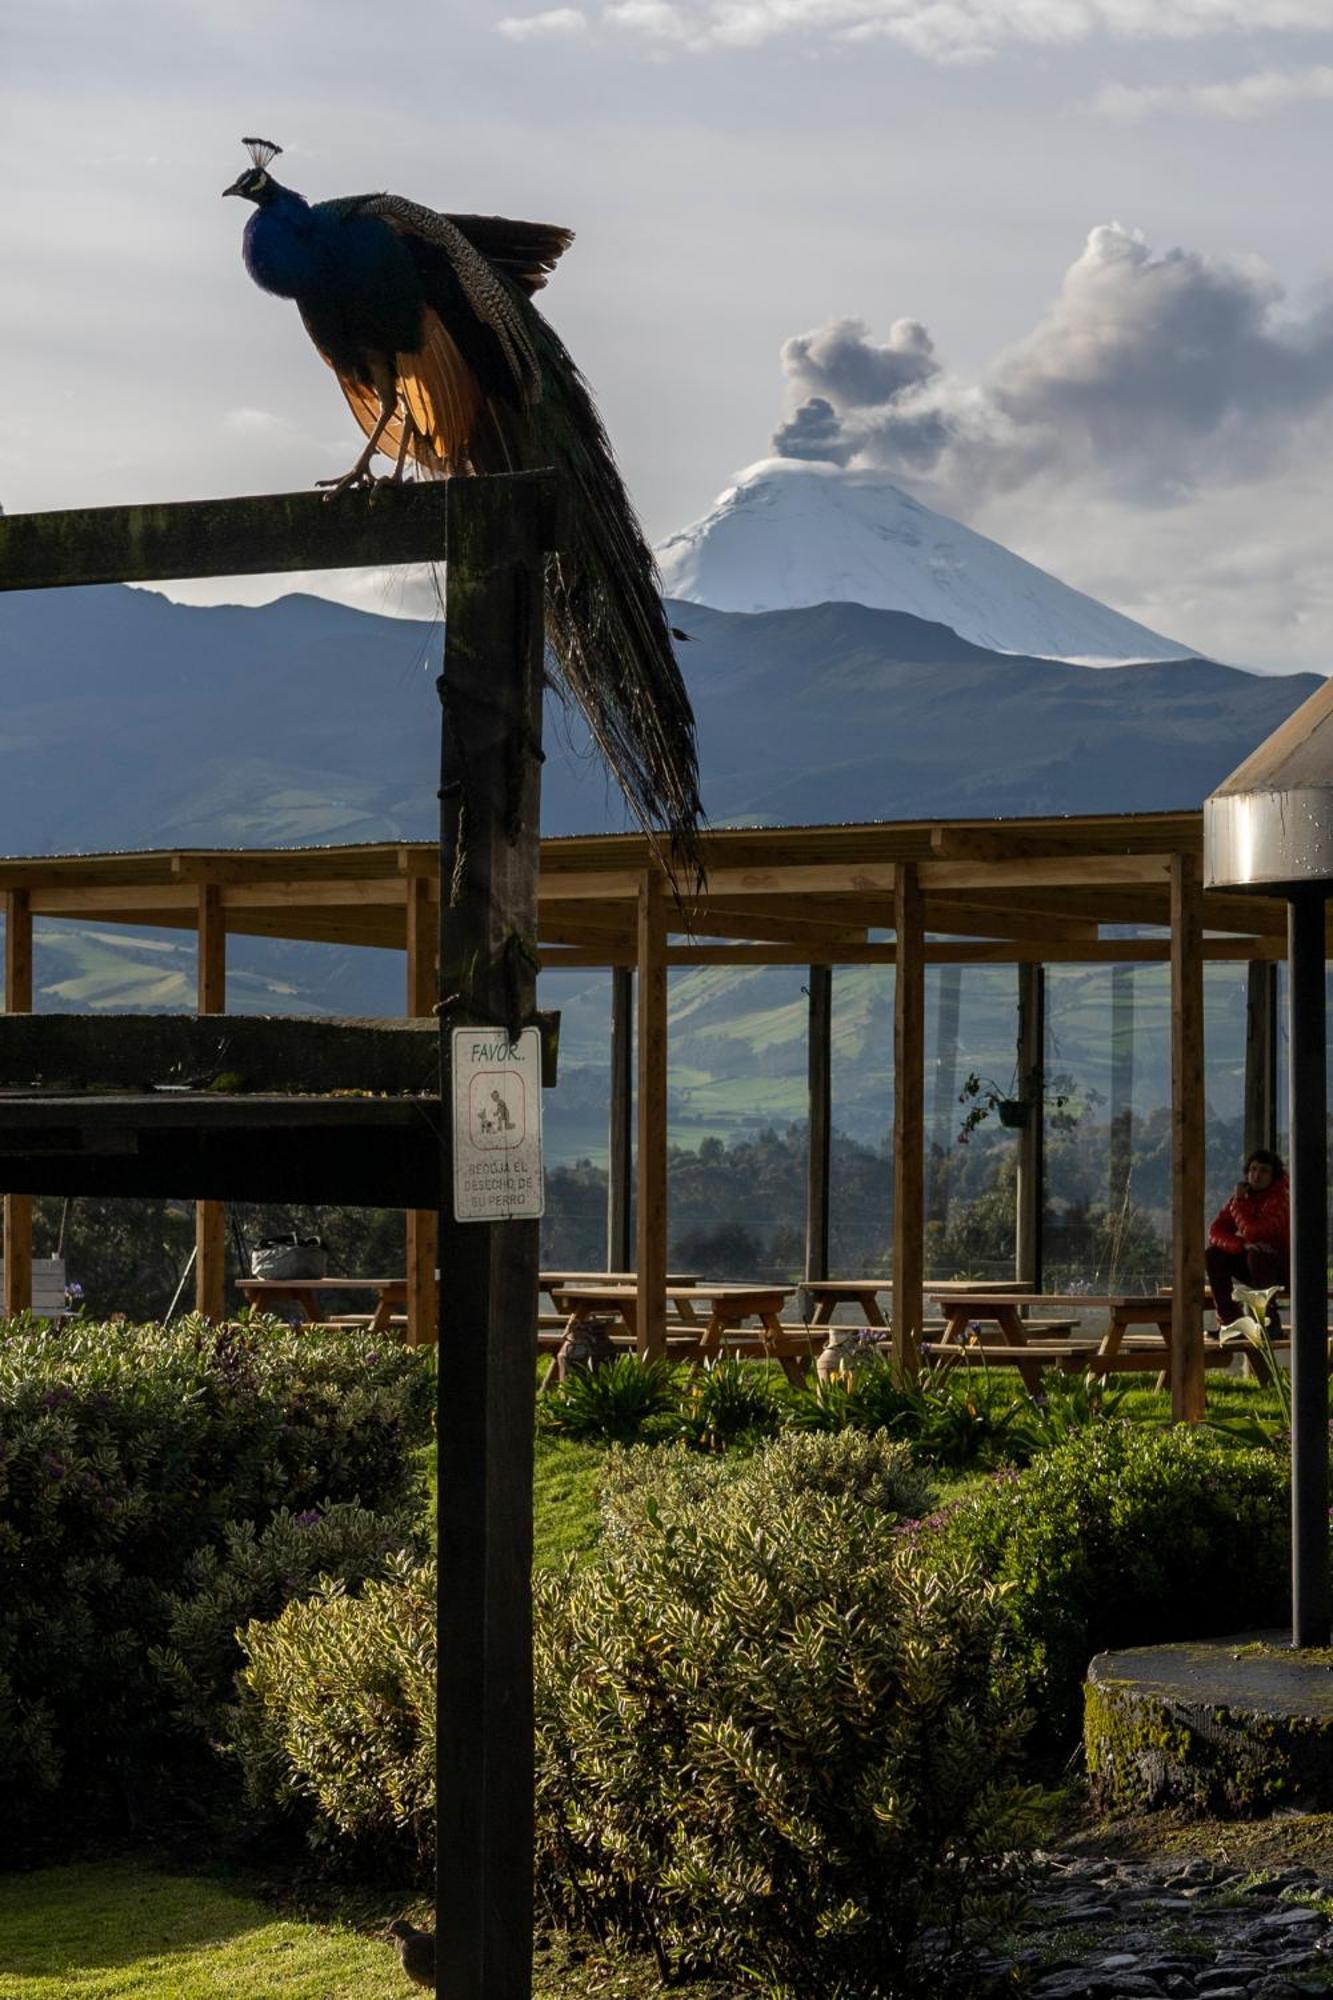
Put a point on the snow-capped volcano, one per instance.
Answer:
(793, 532)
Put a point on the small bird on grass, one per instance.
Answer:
(427, 321)
(416, 1950)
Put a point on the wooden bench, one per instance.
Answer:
(48, 1288)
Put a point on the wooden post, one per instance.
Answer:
(819, 1126)
(1261, 1055)
(422, 1246)
(650, 1206)
(18, 1000)
(1187, 1139)
(909, 1035)
(210, 1217)
(1030, 1192)
(491, 700)
(620, 1129)
(1121, 1124)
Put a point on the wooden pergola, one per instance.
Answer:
(985, 892)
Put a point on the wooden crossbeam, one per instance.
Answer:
(244, 537)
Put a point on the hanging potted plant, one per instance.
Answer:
(982, 1095)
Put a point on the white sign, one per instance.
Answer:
(497, 1125)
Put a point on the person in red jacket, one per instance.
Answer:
(1250, 1239)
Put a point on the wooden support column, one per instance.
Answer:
(909, 1037)
(819, 1125)
(423, 1292)
(1261, 1055)
(18, 1000)
(1187, 1139)
(210, 1217)
(620, 1127)
(491, 727)
(650, 1206)
(1030, 1191)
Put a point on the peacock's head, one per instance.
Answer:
(254, 184)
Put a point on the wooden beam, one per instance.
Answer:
(1188, 1139)
(1016, 841)
(937, 951)
(650, 1206)
(257, 535)
(960, 916)
(819, 1119)
(491, 730)
(1076, 871)
(18, 1000)
(422, 1224)
(909, 1205)
(620, 1125)
(210, 1217)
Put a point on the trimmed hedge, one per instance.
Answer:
(125, 1452)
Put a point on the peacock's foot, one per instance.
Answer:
(360, 475)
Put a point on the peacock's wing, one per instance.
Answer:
(527, 252)
(606, 625)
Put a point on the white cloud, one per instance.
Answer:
(1254, 96)
(556, 21)
(943, 30)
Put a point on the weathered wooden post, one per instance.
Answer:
(491, 696)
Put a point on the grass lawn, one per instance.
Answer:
(109, 1930)
(99, 1931)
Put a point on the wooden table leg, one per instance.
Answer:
(1099, 1362)
(382, 1317)
(794, 1366)
(869, 1304)
(1010, 1323)
(956, 1322)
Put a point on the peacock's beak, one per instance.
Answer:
(235, 188)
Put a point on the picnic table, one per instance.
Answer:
(828, 1294)
(305, 1294)
(1046, 1342)
(709, 1316)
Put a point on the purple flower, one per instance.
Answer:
(371, 1359)
(52, 1467)
(60, 1394)
(309, 1518)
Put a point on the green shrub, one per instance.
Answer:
(252, 1576)
(1123, 1536)
(728, 1403)
(774, 1733)
(614, 1404)
(954, 1417)
(675, 1484)
(124, 1452)
(336, 1726)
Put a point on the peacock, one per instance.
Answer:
(428, 323)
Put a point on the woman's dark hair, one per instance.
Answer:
(1265, 1158)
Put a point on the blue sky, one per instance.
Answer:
(1106, 218)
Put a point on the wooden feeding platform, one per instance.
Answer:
(230, 1108)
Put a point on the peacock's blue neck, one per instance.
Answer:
(281, 244)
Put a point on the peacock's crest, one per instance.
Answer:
(261, 151)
